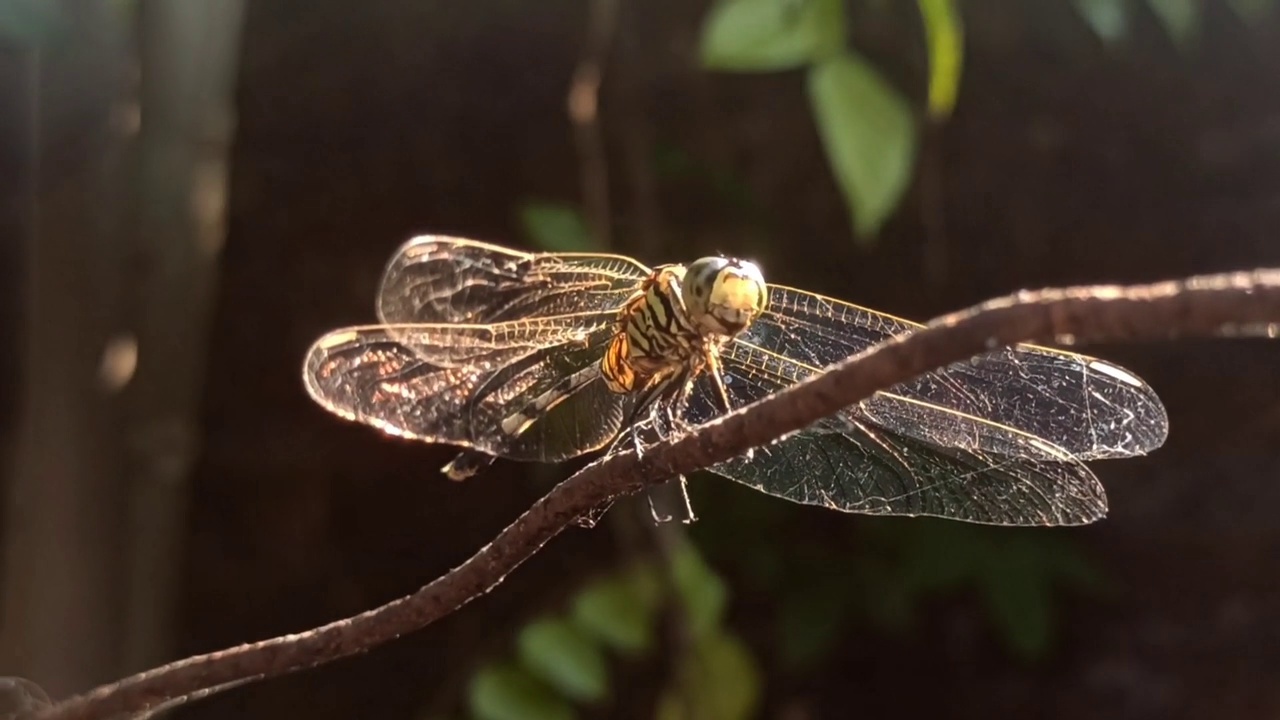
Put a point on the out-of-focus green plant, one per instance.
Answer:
(675, 164)
(31, 22)
(562, 660)
(945, 37)
(880, 572)
(1110, 19)
(867, 127)
(555, 227)
(869, 135)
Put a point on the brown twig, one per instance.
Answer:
(1197, 307)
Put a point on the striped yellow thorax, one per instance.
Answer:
(680, 318)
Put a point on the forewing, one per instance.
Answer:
(439, 279)
(1088, 407)
(458, 384)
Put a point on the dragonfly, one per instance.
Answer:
(546, 356)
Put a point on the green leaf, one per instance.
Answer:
(619, 611)
(764, 35)
(1181, 18)
(702, 591)
(566, 657)
(945, 35)
(1109, 19)
(869, 135)
(506, 692)
(720, 682)
(556, 228)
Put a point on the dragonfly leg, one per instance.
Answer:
(589, 519)
(663, 505)
(467, 463)
(689, 517)
(713, 361)
(658, 516)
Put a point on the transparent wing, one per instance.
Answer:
(849, 466)
(845, 462)
(1090, 408)
(435, 279)
(526, 390)
(438, 279)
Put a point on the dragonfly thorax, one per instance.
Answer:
(678, 320)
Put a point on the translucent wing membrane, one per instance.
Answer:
(1089, 408)
(437, 279)
(530, 300)
(845, 462)
(845, 465)
(509, 390)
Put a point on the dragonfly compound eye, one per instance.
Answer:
(723, 295)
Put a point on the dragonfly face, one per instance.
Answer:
(546, 356)
(724, 295)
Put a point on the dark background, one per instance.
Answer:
(357, 125)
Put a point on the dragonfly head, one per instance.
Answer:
(723, 295)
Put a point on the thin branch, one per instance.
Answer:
(1202, 306)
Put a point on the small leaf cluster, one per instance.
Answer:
(1110, 19)
(561, 662)
(867, 127)
(883, 574)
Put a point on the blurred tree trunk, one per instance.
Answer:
(18, 75)
(120, 270)
(63, 563)
(189, 56)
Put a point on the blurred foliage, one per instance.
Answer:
(768, 35)
(869, 136)
(866, 126)
(30, 22)
(879, 573)
(562, 660)
(555, 227)
(675, 164)
(1181, 19)
(946, 54)
(1108, 18)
